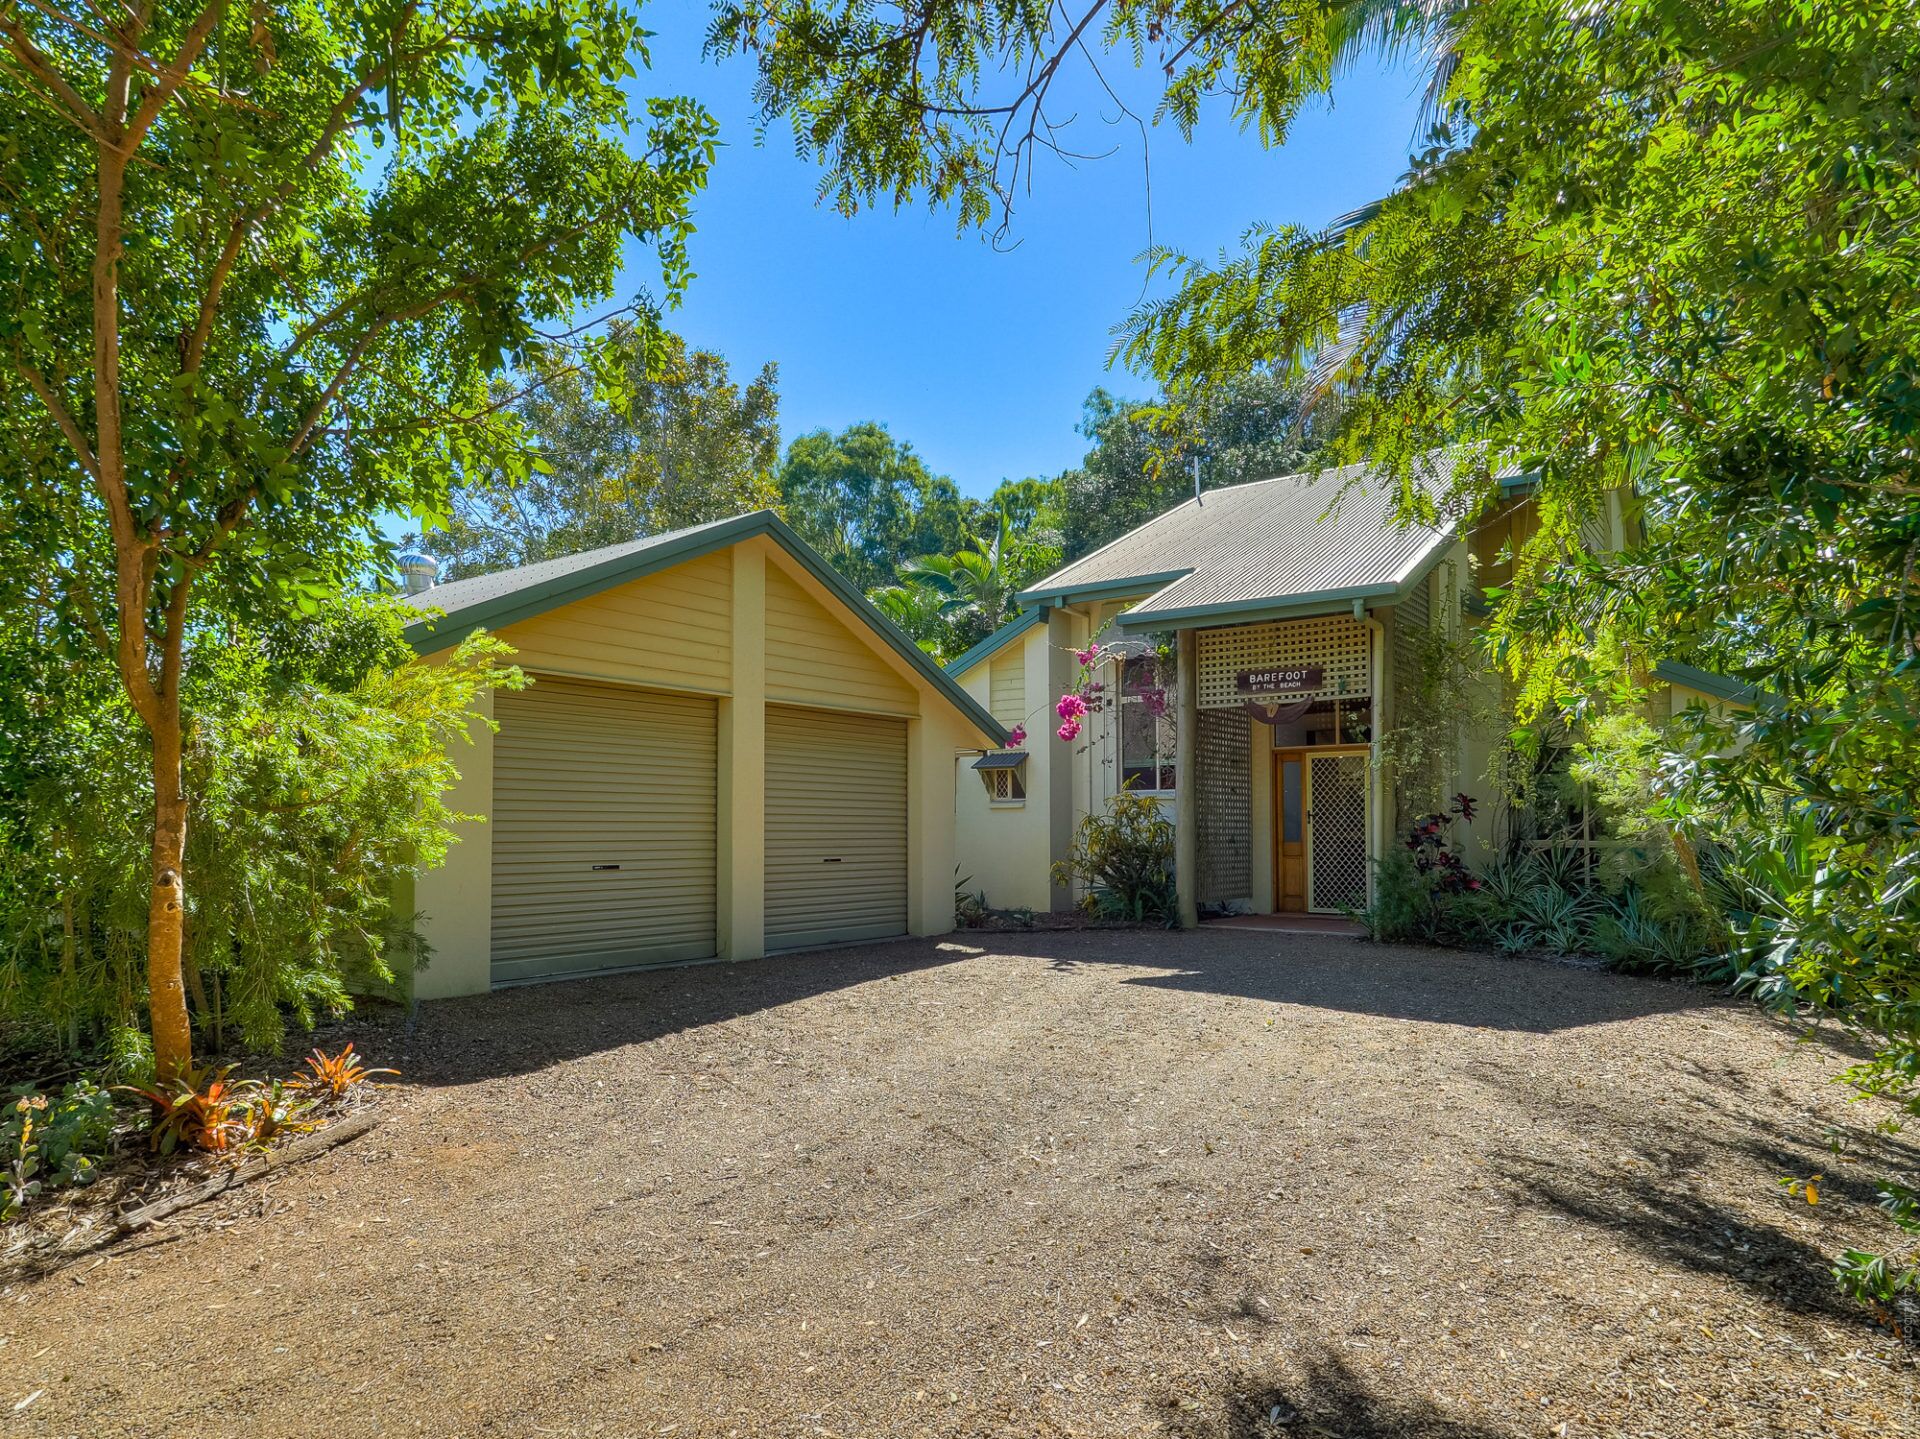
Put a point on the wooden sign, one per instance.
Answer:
(1280, 681)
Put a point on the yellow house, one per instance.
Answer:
(1257, 646)
(725, 752)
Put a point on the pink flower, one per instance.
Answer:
(1017, 736)
(1088, 655)
(1070, 730)
(1071, 707)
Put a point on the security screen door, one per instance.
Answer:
(1336, 830)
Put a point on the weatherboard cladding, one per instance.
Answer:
(453, 610)
(1298, 537)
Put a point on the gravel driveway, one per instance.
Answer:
(1095, 1183)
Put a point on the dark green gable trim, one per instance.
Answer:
(1100, 590)
(512, 604)
(996, 641)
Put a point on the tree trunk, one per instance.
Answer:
(166, 917)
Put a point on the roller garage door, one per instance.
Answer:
(836, 827)
(603, 829)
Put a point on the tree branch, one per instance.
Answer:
(61, 417)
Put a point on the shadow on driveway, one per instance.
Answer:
(528, 1028)
(1331, 1399)
(532, 1027)
(1434, 986)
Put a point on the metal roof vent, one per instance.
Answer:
(418, 570)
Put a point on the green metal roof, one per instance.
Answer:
(996, 641)
(1296, 544)
(1708, 683)
(452, 611)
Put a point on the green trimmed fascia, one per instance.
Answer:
(1708, 683)
(996, 641)
(1105, 590)
(433, 634)
(1521, 484)
(1238, 612)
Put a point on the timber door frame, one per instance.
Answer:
(1304, 859)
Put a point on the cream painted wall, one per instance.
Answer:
(813, 658)
(747, 625)
(456, 900)
(1005, 850)
(673, 630)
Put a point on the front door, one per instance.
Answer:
(1320, 809)
(1290, 854)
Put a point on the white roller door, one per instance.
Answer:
(604, 804)
(836, 827)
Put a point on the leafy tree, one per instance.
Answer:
(316, 763)
(868, 503)
(1249, 427)
(261, 263)
(677, 443)
(1035, 508)
(1653, 249)
(949, 603)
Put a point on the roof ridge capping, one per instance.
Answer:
(548, 584)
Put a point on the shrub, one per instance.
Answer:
(317, 756)
(1403, 906)
(50, 1141)
(1125, 858)
(1422, 891)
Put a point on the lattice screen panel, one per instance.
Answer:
(1337, 842)
(1339, 644)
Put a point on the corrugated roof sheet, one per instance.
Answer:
(1269, 543)
(456, 595)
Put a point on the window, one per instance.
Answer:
(1146, 725)
(1004, 775)
(1004, 786)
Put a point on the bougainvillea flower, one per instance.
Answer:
(1070, 730)
(1088, 655)
(1071, 707)
(1017, 736)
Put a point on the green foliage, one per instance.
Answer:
(672, 442)
(264, 264)
(868, 503)
(1403, 906)
(51, 1141)
(317, 761)
(949, 603)
(1249, 428)
(1439, 698)
(1125, 858)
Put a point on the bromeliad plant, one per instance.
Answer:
(331, 1078)
(201, 1109)
(1125, 857)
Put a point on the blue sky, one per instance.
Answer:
(980, 357)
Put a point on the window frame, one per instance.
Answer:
(1013, 778)
(1165, 759)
